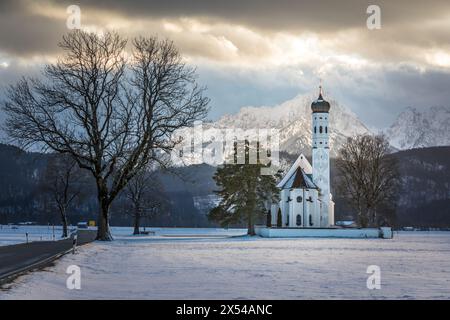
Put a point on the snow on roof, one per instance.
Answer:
(299, 180)
(302, 163)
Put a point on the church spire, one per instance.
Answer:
(320, 105)
(320, 90)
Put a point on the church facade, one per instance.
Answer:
(305, 198)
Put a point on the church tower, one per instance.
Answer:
(321, 157)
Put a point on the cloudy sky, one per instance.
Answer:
(263, 52)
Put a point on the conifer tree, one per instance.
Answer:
(279, 219)
(268, 219)
(244, 192)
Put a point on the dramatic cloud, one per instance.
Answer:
(261, 52)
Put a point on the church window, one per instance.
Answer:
(299, 199)
(287, 219)
(320, 129)
(310, 220)
(326, 129)
(299, 220)
(315, 129)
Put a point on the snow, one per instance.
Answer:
(420, 129)
(17, 234)
(293, 120)
(206, 264)
(125, 233)
(10, 234)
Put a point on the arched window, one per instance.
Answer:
(310, 221)
(299, 220)
(287, 219)
(326, 129)
(315, 129)
(320, 129)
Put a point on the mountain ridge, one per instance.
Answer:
(420, 129)
(412, 128)
(293, 120)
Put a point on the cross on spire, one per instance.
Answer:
(320, 88)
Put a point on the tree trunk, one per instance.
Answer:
(64, 222)
(370, 222)
(362, 219)
(374, 218)
(103, 232)
(137, 218)
(251, 227)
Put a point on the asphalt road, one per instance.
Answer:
(21, 257)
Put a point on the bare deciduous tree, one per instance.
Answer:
(61, 181)
(368, 177)
(110, 121)
(145, 194)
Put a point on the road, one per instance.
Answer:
(22, 257)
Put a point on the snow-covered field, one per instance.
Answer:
(207, 265)
(10, 234)
(17, 234)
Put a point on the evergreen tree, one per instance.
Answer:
(243, 192)
(269, 219)
(279, 219)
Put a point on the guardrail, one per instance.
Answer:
(18, 259)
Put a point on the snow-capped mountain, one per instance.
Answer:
(293, 120)
(420, 129)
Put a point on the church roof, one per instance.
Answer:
(301, 162)
(298, 176)
(299, 180)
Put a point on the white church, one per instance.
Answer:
(305, 198)
(306, 207)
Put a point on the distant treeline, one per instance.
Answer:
(23, 198)
(424, 200)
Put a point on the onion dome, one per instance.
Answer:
(320, 105)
